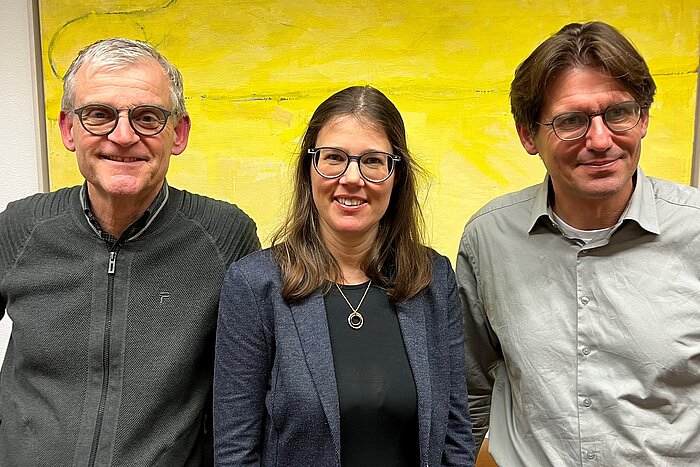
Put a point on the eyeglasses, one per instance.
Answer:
(100, 119)
(374, 166)
(618, 118)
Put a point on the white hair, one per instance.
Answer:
(118, 53)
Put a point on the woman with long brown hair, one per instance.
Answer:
(342, 344)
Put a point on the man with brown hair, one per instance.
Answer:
(582, 294)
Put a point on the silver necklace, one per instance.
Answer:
(355, 319)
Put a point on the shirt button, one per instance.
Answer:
(590, 455)
(587, 402)
(585, 351)
(584, 300)
(584, 252)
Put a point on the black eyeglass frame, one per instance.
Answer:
(117, 114)
(590, 117)
(315, 152)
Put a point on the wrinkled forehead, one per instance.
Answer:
(580, 85)
(107, 66)
(143, 82)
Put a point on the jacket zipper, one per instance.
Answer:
(105, 355)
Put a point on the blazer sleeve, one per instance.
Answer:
(243, 361)
(459, 442)
(482, 349)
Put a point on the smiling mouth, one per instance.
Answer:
(600, 163)
(122, 159)
(349, 202)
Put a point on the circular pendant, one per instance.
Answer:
(355, 320)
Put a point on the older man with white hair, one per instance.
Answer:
(113, 286)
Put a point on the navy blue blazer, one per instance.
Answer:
(275, 393)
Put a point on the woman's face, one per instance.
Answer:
(349, 207)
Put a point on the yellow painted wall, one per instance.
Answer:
(255, 71)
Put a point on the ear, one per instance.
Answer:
(644, 122)
(527, 139)
(181, 135)
(65, 123)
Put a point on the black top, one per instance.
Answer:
(376, 388)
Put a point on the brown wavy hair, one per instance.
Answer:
(398, 261)
(594, 45)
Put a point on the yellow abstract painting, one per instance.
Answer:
(255, 71)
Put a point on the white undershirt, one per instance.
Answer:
(588, 237)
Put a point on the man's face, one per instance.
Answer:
(598, 166)
(123, 166)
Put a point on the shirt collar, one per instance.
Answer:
(137, 227)
(539, 209)
(641, 208)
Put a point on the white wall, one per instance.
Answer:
(21, 139)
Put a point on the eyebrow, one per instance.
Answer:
(102, 104)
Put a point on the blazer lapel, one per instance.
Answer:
(310, 319)
(412, 321)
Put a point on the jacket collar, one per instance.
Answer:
(411, 315)
(309, 318)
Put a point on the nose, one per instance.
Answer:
(352, 175)
(599, 136)
(123, 134)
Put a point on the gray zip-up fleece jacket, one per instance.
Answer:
(111, 354)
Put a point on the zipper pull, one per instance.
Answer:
(112, 262)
